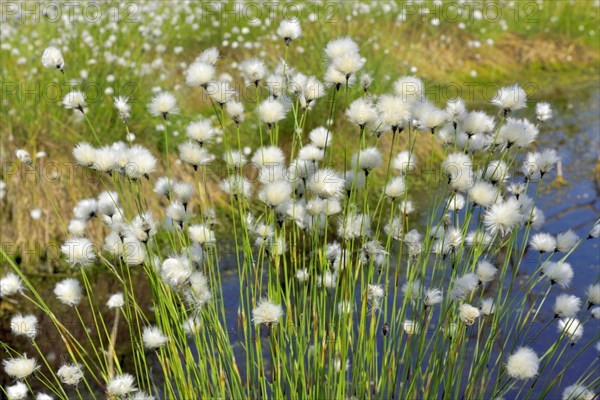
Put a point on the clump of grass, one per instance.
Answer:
(340, 291)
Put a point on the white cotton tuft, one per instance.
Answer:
(53, 58)
(68, 292)
(153, 338)
(567, 305)
(266, 312)
(523, 364)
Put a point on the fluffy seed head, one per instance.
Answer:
(266, 312)
(163, 104)
(326, 183)
(565, 241)
(523, 364)
(10, 284)
(70, 374)
(560, 273)
(120, 385)
(24, 157)
(468, 314)
(483, 193)
(116, 301)
(74, 100)
(361, 112)
(79, 252)
(404, 162)
(271, 111)
(572, 329)
(486, 271)
(53, 58)
(543, 112)
(20, 367)
(510, 98)
(199, 74)
(567, 305)
(289, 29)
(202, 234)
(543, 242)
(577, 392)
(432, 296)
(153, 338)
(503, 216)
(19, 391)
(593, 294)
(24, 325)
(68, 291)
(123, 107)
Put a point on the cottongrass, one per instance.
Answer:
(366, 288)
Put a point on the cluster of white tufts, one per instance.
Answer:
(305, 221)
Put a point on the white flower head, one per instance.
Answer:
(289, 29)
(320, 137)
(523, 364)
(468, 314)
(70, 374)
(593, 294)
(53, 58)
(567, 305)
(24, 157)
(74, 100)
(543, 112)
(571, 328)
(116, 301)
(176, 271)
(432, 296)
(340, 46)
(367, 159)
(488, 306)
(193, 153)
(361, 112)
(516, 132)
(202, 235)
(235, 110)
(209, 56)
(483, 193)
(79, 252)
(302, 275)
(18, 391)
(565, 241)
(275, 193)
(543, 242)
(20, 367)
(510, 98)
(120, 385)
(253, 70)
(559, 273)
(24, 325)
(404, 162)
(326, 183)
(153, 338)
(10, 284)
(486, 271)
(503, 216)
(577, 392)
(266, 312)
(464, 285)
(199, 74)
(271, 111)
(163, 104)
(123, 107)
(68, 291)
(409, 89)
